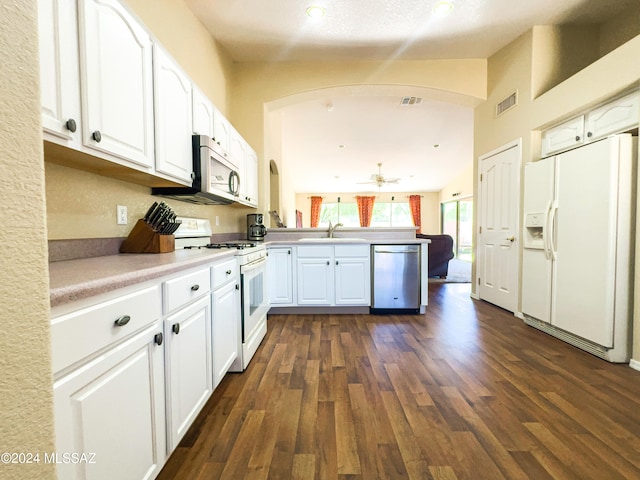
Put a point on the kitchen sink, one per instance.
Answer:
(332, 240)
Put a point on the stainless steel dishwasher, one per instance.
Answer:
(396, 277)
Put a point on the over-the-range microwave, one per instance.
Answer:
(215, 177)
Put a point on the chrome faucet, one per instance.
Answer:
(332, 228)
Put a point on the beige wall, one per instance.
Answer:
(459, 187)
(429, 206)
(259, 87)
(26, 418)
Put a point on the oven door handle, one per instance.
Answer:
(253, 265)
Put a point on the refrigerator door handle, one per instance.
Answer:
(545, 232)
(551, 227)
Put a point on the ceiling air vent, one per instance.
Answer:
(507, 104)
(410, 101)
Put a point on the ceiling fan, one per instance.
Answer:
(379, 179)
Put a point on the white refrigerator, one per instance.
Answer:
(578, 239)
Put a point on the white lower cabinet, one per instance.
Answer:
(333, 275)
(225, 302)
(109, 403)
(188, 367)
(280, 275)
(133, 369)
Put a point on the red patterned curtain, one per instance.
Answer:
(365, 209)
(316, 205)
(414, 205)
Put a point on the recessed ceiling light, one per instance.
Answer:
(443, 9)
(314, 11)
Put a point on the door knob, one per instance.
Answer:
(511, 238)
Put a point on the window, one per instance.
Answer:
(385, 214)
(457, 218)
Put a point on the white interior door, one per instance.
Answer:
(498, 225)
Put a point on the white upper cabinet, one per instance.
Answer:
(616, 116)
(173, 118)
(202, 113)
(249, 195)
(116, 74)
(221, 130)
(59, 76)
(563, 137)
(613, 117)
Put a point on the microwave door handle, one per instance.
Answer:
(234, 182)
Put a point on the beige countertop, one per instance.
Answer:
(72, 280)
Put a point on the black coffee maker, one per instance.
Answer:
(255, 228)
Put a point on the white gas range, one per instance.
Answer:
(195, 233)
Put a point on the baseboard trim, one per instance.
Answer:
(635, 364)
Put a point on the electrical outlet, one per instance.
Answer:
(217, 221)
(121, 215)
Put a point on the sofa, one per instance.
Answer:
(440, 252)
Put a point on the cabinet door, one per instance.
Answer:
(250, 175)
(202, 113)
(616, 116)
(280, 272)
(563, 137)
(221, 130)
(353, 281)
(59, 76)
(188, 367)
(173, 117)
(114, 407)
(226, 329)
(315, 281)
(116, 75)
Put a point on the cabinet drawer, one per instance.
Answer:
(183, 289)
(82, 333)
(352, 250)
(223, 273)
(315, 251)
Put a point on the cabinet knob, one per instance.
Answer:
(577, 138)
(228, 272)
(71, 125)
(175, 328)
(122, 321)
(97, 136)
(237, 287)
(337, 263)
(195, 287)
(328, 262)
(158, 338)
(589, 134)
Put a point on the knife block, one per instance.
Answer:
(144, 239)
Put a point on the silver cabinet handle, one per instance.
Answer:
(71, 125)
(122, 321)
(195, 287)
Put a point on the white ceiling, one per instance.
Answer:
(374, 128)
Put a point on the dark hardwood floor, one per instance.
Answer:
(465, 391)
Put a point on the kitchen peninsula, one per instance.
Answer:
(313, 270)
